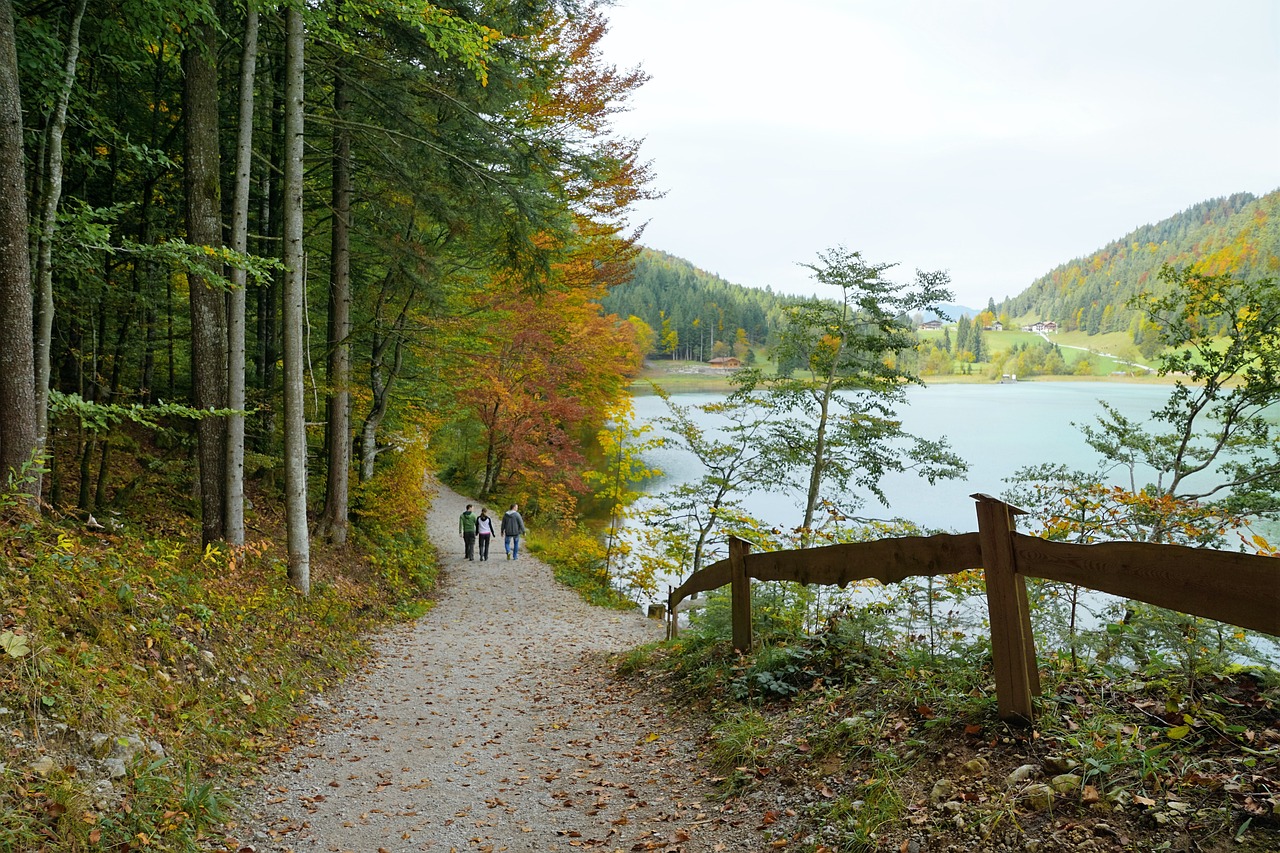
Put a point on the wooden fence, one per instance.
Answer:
(1239, 589)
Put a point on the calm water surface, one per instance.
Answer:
(998, 429)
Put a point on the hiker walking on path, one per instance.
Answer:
(512, 530)
(484, 532)
(467, 527)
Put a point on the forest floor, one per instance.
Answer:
(494, 723)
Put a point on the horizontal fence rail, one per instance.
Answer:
(1239, 589)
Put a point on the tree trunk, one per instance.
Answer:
(338, 425)
(268, 291)
(380, 377)
(18, 440)
(50, 194)
(239, 279)
(815, 471)
(295, 435)
(86, 473)
(208, 302)
(381, 380)
(100, 490)
(490, 480)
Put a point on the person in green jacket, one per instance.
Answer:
(467, 527)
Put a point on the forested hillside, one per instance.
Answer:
(265, 268)
(1237, 234)
(694, 314)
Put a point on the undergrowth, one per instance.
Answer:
(188, 665)
(577, 558)
(877, 745)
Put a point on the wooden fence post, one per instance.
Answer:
(740, 593)
(1012, 646)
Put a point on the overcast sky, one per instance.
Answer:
(992, 138)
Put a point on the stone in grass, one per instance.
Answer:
(943, 790)
(1020, 775)
(127, 748)
(1065, 783)
(43, 766)
(103, 794)
(1037, 797)
(976, 767)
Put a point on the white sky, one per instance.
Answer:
(992, 138)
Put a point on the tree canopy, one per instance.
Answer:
(439, 233)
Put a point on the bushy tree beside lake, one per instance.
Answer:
(841, 380)
(1210, 461)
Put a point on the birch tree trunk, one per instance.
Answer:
(295, 436)
(50, 193)
(17, 347)
(208, 301)
(239, 280)
(338, 426)
(382, 376)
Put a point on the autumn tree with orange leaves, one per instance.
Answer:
(543, 363)
(553, 365)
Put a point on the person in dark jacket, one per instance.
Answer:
(512, 530)
(467, 527)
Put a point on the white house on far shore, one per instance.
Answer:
(1042, 327)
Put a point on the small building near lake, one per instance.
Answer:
(726, 362)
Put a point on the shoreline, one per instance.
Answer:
(682, 381)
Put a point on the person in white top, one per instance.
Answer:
(484, 531)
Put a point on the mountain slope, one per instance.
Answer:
(1237, 234)
(696, 307)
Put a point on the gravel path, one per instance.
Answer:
(493, 724)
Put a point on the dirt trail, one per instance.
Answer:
(493, 724)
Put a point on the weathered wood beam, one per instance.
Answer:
(740, 590)
(1012, 647)
(1239, 589)
(885, 560)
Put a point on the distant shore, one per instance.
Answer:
(690, 377)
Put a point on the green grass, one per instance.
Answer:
(1073, 346)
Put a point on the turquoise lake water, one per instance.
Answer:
(998, 429)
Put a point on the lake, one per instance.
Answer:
(997, 429)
